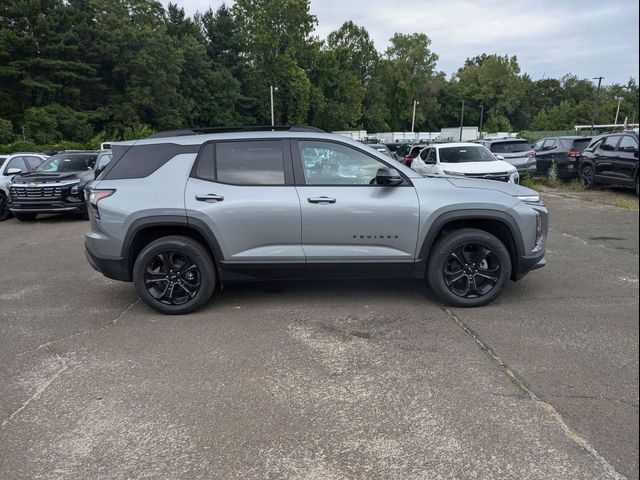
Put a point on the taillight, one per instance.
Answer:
(531, 154)
(95, 196)
(572, 153)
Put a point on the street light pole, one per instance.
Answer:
(271, 89)
(481, 119)
(595, 104)
(413, 118)
(615, 122)
(461, 118)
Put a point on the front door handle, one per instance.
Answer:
(211, 197)
(321, 200)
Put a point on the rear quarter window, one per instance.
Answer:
(140, 161)
(510, 147)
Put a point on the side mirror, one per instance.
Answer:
(14, 171)
(388, 177)
(500, 157)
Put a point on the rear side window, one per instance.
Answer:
(142, 160)
(580, 145)
(510, 147)
(34, 162)
(628, 143)
(250, 163)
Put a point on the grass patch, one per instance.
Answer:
(627, 203)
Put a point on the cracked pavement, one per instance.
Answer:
(323, 380)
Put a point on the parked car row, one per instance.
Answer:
(32, 184)
(609, 159)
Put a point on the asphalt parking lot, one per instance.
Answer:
(323, 380)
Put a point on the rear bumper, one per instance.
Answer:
(114, 268)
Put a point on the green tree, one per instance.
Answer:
(6, 131)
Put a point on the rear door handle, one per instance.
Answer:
(321, 200)
(211, 197)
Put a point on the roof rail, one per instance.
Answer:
(240, 128)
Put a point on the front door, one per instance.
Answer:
(349, 220)
(605, 157)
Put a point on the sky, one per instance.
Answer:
(587, 38)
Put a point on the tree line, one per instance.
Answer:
(89, 70)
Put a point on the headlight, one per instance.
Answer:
(515, 177)
(458, 174)
(75, 189)
(529, 198)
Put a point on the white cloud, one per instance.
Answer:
(550, 38)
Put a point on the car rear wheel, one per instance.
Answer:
(4, 207)
(174, 275)
(25, 217)
(469, 268)
(587, 176)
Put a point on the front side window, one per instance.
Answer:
(424, 153)
(325, 163)
(68, 163)
(537, 146)
(465, 155)
(250, 162)
(610, 143)
(549, 144)
(17, 162)
(431, 156)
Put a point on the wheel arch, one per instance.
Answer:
(500, 224)
(145, 230)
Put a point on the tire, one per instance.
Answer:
(84, 215)
(25, 217)
(174, 275)
(478, 260)
(4, 207)
(587, 176)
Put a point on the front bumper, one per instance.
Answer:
(526, 264)
(55, 206)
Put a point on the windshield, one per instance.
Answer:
(510, 147)
(465, 154)
(383, 150)
(69, 162)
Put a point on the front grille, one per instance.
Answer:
(22, 192)
(500, 177)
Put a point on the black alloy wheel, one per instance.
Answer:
(172, 278)
(174, 275)
(471, 271)
(468, 267)
(4, 208)
(587, 176)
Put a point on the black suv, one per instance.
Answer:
(557, 157)
(611, 159)
(57, 186)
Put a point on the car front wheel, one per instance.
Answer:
(469, 268)
(174, 275)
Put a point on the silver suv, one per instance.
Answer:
(181, 212)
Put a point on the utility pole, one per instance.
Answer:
(461, 118)
(24, 136)
(413, 118)
(273, 122)
(481, 119)
(595, 104)
(617, 111)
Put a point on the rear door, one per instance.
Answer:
(349, 220)
(243, 191)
